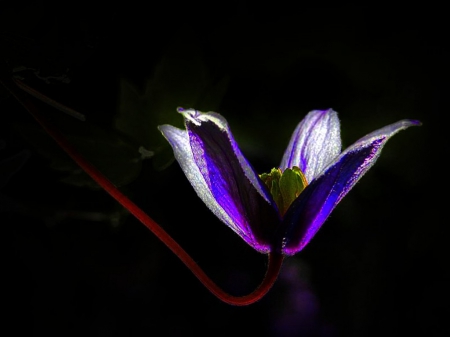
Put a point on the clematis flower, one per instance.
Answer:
(280, 211)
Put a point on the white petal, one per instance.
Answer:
(179, 140)
(315, 142)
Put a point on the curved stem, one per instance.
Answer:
(49, 101)
(274, 259)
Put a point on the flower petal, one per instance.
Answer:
(309, 211)
(179, 140)
(223, 178)
(315, 142)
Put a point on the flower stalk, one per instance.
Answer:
(276, 213)
(274, 260)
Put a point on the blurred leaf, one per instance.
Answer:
(113, 156)
(181, 78)
(9, 166)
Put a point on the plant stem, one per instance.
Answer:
(274, 259)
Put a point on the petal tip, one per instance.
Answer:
(190, 115)
(163, 128)
(406, 123)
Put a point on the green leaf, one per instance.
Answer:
(112, 155)
(181, 78)
(9, 166)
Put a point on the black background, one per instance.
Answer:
(76, 264)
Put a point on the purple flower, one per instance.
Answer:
(283, 210)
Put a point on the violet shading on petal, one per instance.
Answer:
(179, 140)
(309, 211)
(231, 180)
(315, 142)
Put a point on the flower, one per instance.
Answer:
(283, 210)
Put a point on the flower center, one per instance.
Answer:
(284, 186)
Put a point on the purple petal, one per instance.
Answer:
(223, 178)
(179, 140)
(309, 211)
(315, 142)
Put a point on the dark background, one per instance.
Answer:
(76, 264)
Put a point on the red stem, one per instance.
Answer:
(274, 259)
